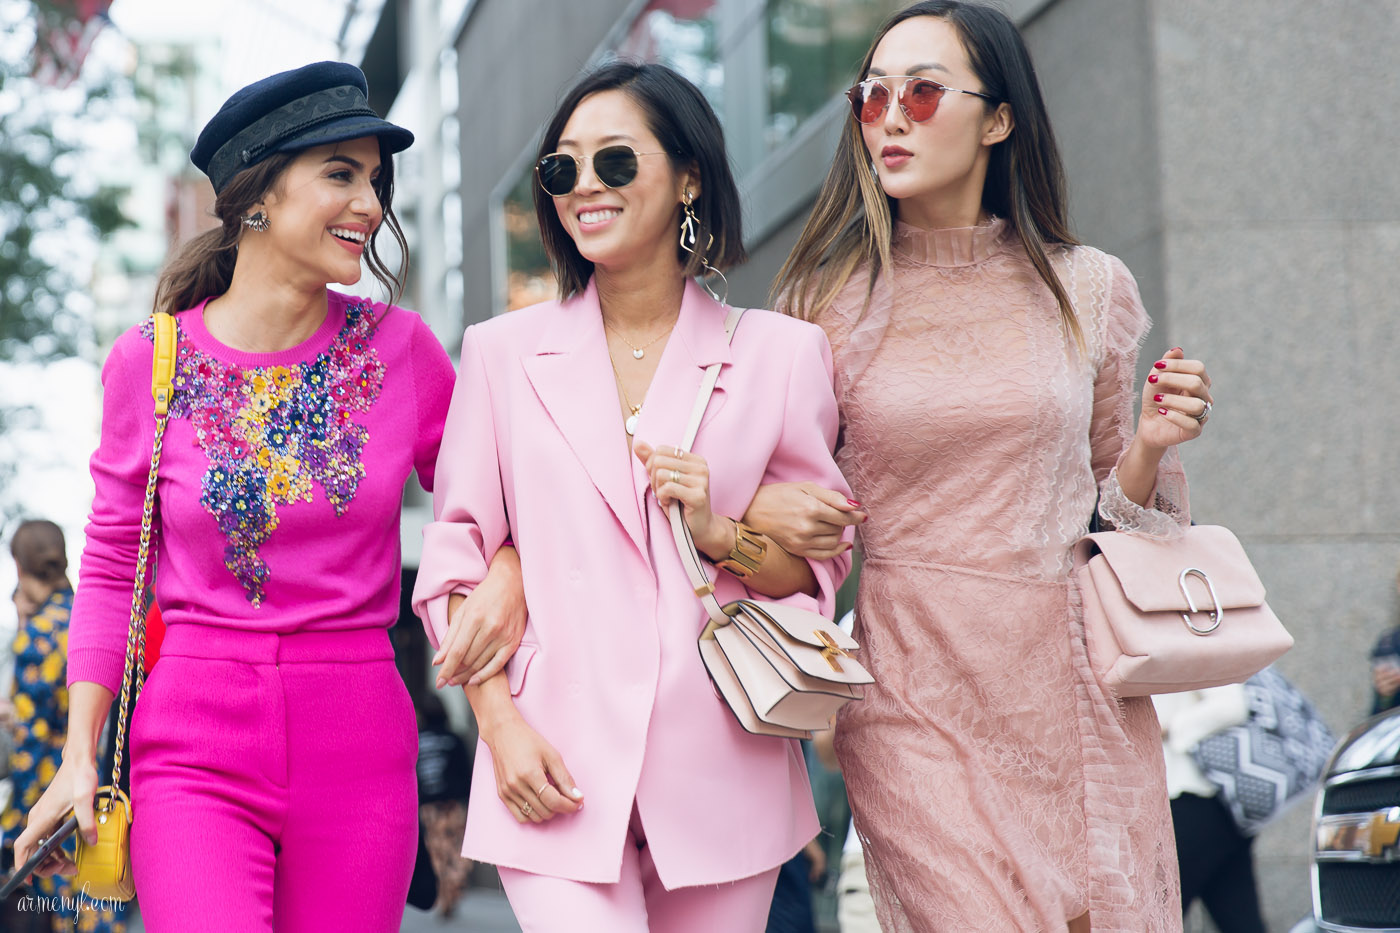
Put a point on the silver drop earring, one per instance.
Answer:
(690, 238)
(258, 221)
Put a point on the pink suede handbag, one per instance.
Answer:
(784, 671)
(1164, 616)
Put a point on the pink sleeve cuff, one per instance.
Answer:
(96, 665)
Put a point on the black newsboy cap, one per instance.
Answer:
(309, 106)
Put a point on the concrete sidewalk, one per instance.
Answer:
(479, 911)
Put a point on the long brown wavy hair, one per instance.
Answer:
(852, 222)
(203, 267)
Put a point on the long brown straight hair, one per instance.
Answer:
(852, 222)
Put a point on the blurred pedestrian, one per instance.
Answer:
(686, 817)
(792, 910)
(444, 784)
(36, 714)
(855, 909)
(1214, 858)
(1385, 668)
(273, 748)
(986, 373)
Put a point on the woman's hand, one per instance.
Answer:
(73, 787)
(1176, 402)
(1385, 677)
(679, 476)
(805, 519)
(485, 628)
(531, 779)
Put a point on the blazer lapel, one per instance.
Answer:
(697, 341)
(574, 381)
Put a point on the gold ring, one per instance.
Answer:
(676, 476)
(543, 788)
(526, 809)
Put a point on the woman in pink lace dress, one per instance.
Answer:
(985, 370)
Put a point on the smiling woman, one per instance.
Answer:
(607, 701)
(273, 754)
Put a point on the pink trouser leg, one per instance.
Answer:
(637, 903)
(274, 790)
(352, 829)
(741, 906)
(555, 905)
(207, 797)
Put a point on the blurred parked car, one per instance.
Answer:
(1356, 832)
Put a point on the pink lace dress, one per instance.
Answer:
(995, 786)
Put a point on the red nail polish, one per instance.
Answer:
(854, 503)
(1161, 411)
(1160, 364)
(1156, 398)
(1152, 378)
(1176, 349)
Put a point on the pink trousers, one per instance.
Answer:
(637, 903)
(273, 783)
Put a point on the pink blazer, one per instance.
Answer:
(608, 670)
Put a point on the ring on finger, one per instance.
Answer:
(526, 809)
(675, 476)
(1205, 413)
(543, 788)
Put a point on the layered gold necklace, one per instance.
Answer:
(630, 424)
(638, 352)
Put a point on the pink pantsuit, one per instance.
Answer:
(608, 671)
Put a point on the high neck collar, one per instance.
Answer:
(950, 246)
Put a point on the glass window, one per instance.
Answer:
(681, 35)
(814, 48)
(528, 277)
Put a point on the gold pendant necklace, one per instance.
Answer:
(630, 424)
(637, 352)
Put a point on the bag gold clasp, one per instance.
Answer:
(831, 651)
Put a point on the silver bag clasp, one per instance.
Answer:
(1216, 613)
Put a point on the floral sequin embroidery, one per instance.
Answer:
(271, 432)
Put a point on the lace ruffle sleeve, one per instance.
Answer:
(1123, 328)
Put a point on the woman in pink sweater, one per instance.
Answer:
(273, 746)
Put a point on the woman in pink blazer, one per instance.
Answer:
(628, 798)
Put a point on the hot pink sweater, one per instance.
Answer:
(281, 479)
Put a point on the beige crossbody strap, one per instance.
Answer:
(134, 672)
(685, 544)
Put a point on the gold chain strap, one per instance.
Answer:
(134, 671)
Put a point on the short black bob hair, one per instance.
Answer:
(687, 128)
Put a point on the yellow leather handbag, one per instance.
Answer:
(104, 869)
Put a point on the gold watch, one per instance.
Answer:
(748, 552)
